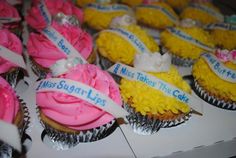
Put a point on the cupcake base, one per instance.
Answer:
(140, 124)
(178, 61)
(172, 123)
(66, 140)
(38, 70)
(212, 99)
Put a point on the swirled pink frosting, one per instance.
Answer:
(36, 20)
(12, 42)
(76, 113)
(45, 53)
(7, 10)
(9, 104)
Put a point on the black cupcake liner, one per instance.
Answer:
(64, 140)
(6, 150)
(140, 124)
(176, 122)
(212, 99)
(178, 61)
(14, 76)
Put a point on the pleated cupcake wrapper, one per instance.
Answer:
(39, 72)
(212, 99)
(178, 61)
(13, 77)
(105, 64)
(142, 124)
(176, 122)
(62, 140)
(6, 151)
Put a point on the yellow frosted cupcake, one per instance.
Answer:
(149, 100)
(99, 16)
(186, 44)
(224, 35)
(123, 41)
(205, 13)
(178, 4)
(147, 15)
(83, 3)
(218, 87)
(132, 2)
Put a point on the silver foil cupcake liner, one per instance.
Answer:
(14, 77)
(176, 122)
(39, 72)
(105, 64)
(62, 140)
(212, 99)
(178, 61)
(6, 151)
(142, 124)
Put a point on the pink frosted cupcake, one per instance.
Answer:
(12, 111)
(10, 18)
(70, 117)
(10, 67)
(44, 53)
(58, 9)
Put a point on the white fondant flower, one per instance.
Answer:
(152, 62)
(124, 20)
(189, 23)
(63, 65)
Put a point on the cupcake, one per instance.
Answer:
(123, 41)
(99, 16)
(11, 61)
(178, 5)
(61, 10)
(69, 119)
(152, 106)
(12, 111)
(10, 18)
(84, 3)
(205, 13)
(218, 86)
(146, 15)
(223, 35)
(132, 3)
(39, 45)
(190, 42)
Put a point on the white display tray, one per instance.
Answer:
(210, 135)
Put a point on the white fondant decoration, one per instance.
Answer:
(9, 134)
(152, 62)
(124, 20)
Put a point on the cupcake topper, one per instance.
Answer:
(226, 55)
(124, 20)
(103, 1)
(44, 12)
(4, 20)
(12, 57)
(131, 73)
(9, 134)
(13, 2)
(66, 19)
(152, 62)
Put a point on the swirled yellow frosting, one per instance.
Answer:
(154, 17)
(146, 99)
(117, 49)
(178, 4)
(199, 15)
(99, 20)
(212, 83)
(183, 48)
(132, 2)
(224, 38)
